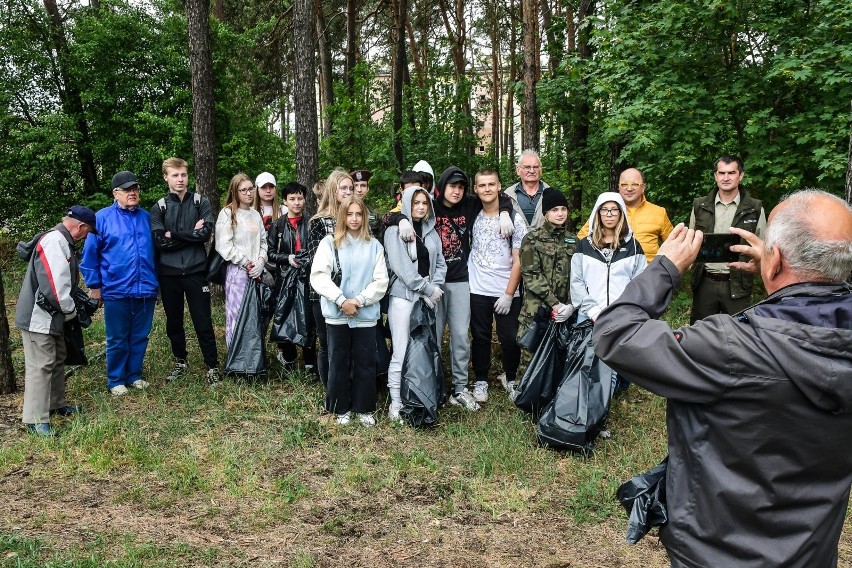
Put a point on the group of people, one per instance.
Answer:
(759, 397)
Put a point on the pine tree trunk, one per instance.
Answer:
(201, 73)
(72, 101)
(304, 97)
(327, 88)
(400, 10)
(530, 138)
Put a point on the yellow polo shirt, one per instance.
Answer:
(650, 224)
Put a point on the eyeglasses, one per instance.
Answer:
(610, 212)
(246, 190)
(630, 185)
(530, 168)
(134, 189)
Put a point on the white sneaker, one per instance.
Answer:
(366, 419)
(140, 384)
(344, 419)
(393, 411)
(480, 391)
(119, 390)
(464, 399)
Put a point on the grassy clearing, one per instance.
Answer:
(256, 475)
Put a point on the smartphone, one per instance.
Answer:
(717, 248)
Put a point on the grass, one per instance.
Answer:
(256, 475)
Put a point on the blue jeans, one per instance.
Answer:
(128, 323)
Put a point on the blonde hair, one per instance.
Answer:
(233, 200)
(174, 163)
(598, 236)
(340, 228)
(328, 205)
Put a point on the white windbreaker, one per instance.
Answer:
(596, 281)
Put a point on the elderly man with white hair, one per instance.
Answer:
(759, 402)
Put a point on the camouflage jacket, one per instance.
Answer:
(546, 268)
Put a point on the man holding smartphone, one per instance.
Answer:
(717, 289)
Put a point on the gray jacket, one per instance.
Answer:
(759, 419)
(406, 282)
(512, 193)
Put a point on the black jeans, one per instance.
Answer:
(481, 316)
(352, 369)
(196, 290)
(322, 353)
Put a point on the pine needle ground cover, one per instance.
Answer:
(255, 474)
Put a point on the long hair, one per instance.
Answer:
(233, 200)
(328, 204)
(620, 229)
(340, 228)
(276, 205)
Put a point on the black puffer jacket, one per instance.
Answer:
(759, 419)
(281, 239)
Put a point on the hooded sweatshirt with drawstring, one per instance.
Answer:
(599, 276)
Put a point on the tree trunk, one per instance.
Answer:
(457, 36)
(351, 47)
(7, 371)
(400, 10)
(304, 98)
(326, 85)
(72, 101)
(494, 26)
(509, 126)
(201, 72)
(530, 138)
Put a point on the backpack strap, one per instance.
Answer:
(162, 203)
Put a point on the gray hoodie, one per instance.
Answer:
(406, 282)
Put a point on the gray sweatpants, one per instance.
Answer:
(454, 309)
(44, 378)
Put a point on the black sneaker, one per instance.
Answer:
(68, 410)
(213, 376)
(178, 371)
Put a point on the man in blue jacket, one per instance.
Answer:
(760, 402)
(118, 267)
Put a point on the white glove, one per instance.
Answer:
(292, 260)
(435, 296)
(507, 228)
(428, 302)
(406, 230)
(256, 270)
(503, 305)
(561, 312)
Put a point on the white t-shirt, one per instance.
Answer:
(490, 261)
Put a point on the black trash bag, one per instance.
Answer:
(290, 321)
(75, 349)
(86, 307)
(532, 337)
(537, 386)
(422, 373)
(383, 354)
(644, 499)
(578, 412)
(247, 355)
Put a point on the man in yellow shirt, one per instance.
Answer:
(649, 222)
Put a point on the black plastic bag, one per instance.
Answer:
(537, 386)
(422, 373)
(75, 352)
(86, 306)
(644, 499)
(579, 409)
(383, 354)
(290, 321)
(247, 354)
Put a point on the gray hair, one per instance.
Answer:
(528, 152)
(807, 255)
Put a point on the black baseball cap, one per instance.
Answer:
(123, 180)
